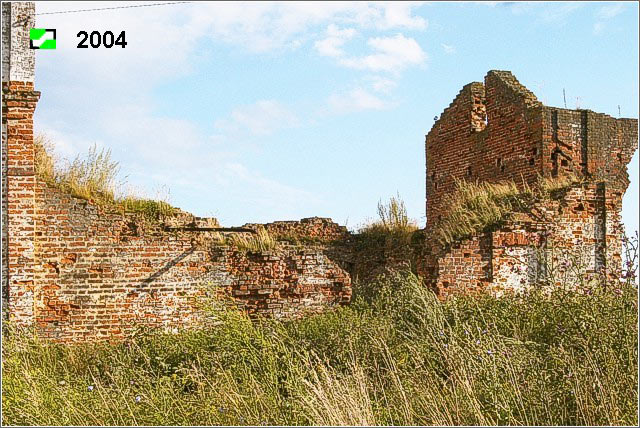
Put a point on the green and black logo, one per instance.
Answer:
(42, 38)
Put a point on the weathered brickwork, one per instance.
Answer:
(18, 61)
(522, 140)
(102, 274)
(78, 271)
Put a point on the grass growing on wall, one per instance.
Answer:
(396, 356)
(475, 207)
(93, 177)
(393, 227)
(258, 242)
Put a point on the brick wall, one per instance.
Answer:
(562, 242)
(102, 273)
(18, 104)
(520, 140)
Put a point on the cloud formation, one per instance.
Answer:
(391, 54)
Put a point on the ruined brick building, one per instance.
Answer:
(499, 131)
(76, 270)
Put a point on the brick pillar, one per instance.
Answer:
(18, 176)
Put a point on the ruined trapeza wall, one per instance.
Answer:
(500, 131)
(101, 274)
(558, 242)
(77, 271)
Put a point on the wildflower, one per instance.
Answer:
(90, 388)
(618, 291)
(477, 342)
(138, 398)
(466, 332)
(484, 331)
(490, 352)
(62, 383)
(221, 409)
(445, 345)
(132, 382)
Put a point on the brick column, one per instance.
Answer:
(18, 105)
(18, 175)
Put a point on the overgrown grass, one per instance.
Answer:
(396, 356)
(475, 207)
(393, 228)
(260, 241)
(385, 243)
(93, 177)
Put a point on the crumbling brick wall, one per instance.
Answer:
(522, 140)
(100, 273)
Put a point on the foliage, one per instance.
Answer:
(396, 356)
(393, 215)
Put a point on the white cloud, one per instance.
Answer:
(332, 44)
(399, 14)
(382, 84)
(355, 100)
(448, 49)
(604, 14)
(261, 118)
(393, 54)
(610, 11)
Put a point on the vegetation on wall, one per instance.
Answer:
(476, 207)
(94, 177)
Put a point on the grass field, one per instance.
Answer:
(395, 356)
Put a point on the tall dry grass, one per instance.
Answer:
(94, 177)
(474, 207)
(396, 356)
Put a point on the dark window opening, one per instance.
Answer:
(532, 161)
(468, 171)
(564, 162)
(535, 151)
(501, 168)
(580, 207)
(498, 161)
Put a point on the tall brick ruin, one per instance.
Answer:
(499, 131)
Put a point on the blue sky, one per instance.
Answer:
(277, 111)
